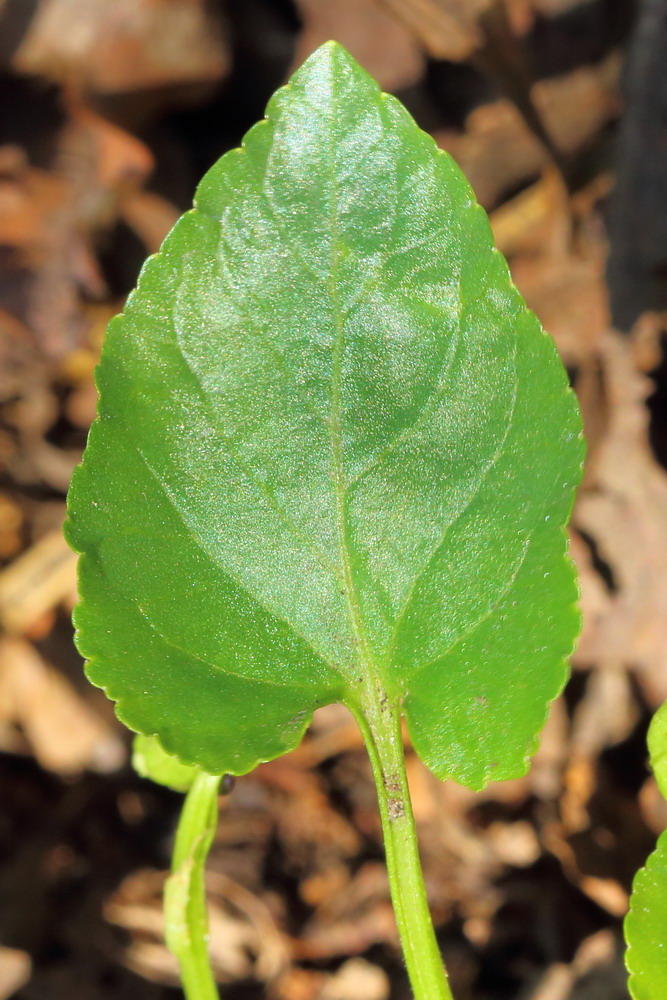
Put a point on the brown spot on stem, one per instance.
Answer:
(396, 809)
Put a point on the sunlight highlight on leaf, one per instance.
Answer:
(334, 457)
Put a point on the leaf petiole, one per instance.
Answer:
(186, 918)
(380, 724)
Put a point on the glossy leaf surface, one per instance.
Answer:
(334, 458)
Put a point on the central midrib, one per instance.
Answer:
(370, 674)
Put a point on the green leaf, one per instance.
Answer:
(657, 745)
(334, 457)
(646, 928)
(646, 923)
(150, 761)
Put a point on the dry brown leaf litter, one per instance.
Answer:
(527, 880)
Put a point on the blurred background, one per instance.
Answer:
(109, 114)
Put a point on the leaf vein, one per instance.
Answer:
(428, 406)
(190, 654)
(286, 239)
(495, 458)
(375, 279)
(472, 628)
(257, 329)
(200, 544)
(243, 465)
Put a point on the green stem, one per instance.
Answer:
(380, 724)
(185, 911)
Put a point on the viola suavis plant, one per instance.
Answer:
(646, 922)
(334, 460)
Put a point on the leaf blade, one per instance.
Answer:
(314, 394)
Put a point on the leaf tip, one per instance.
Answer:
(330, 53)
(329, 63)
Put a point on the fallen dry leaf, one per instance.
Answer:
(498, 152)
(624, 511)
(126, 45)
(15, 971)
(244, 940)
(557, 983)
(62, 731)
(36, 582)
(447, 29)
(357, 978)
(383, 46)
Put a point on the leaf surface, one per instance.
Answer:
(334, 456)
(646, 928)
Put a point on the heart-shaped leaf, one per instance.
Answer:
(334, 457)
